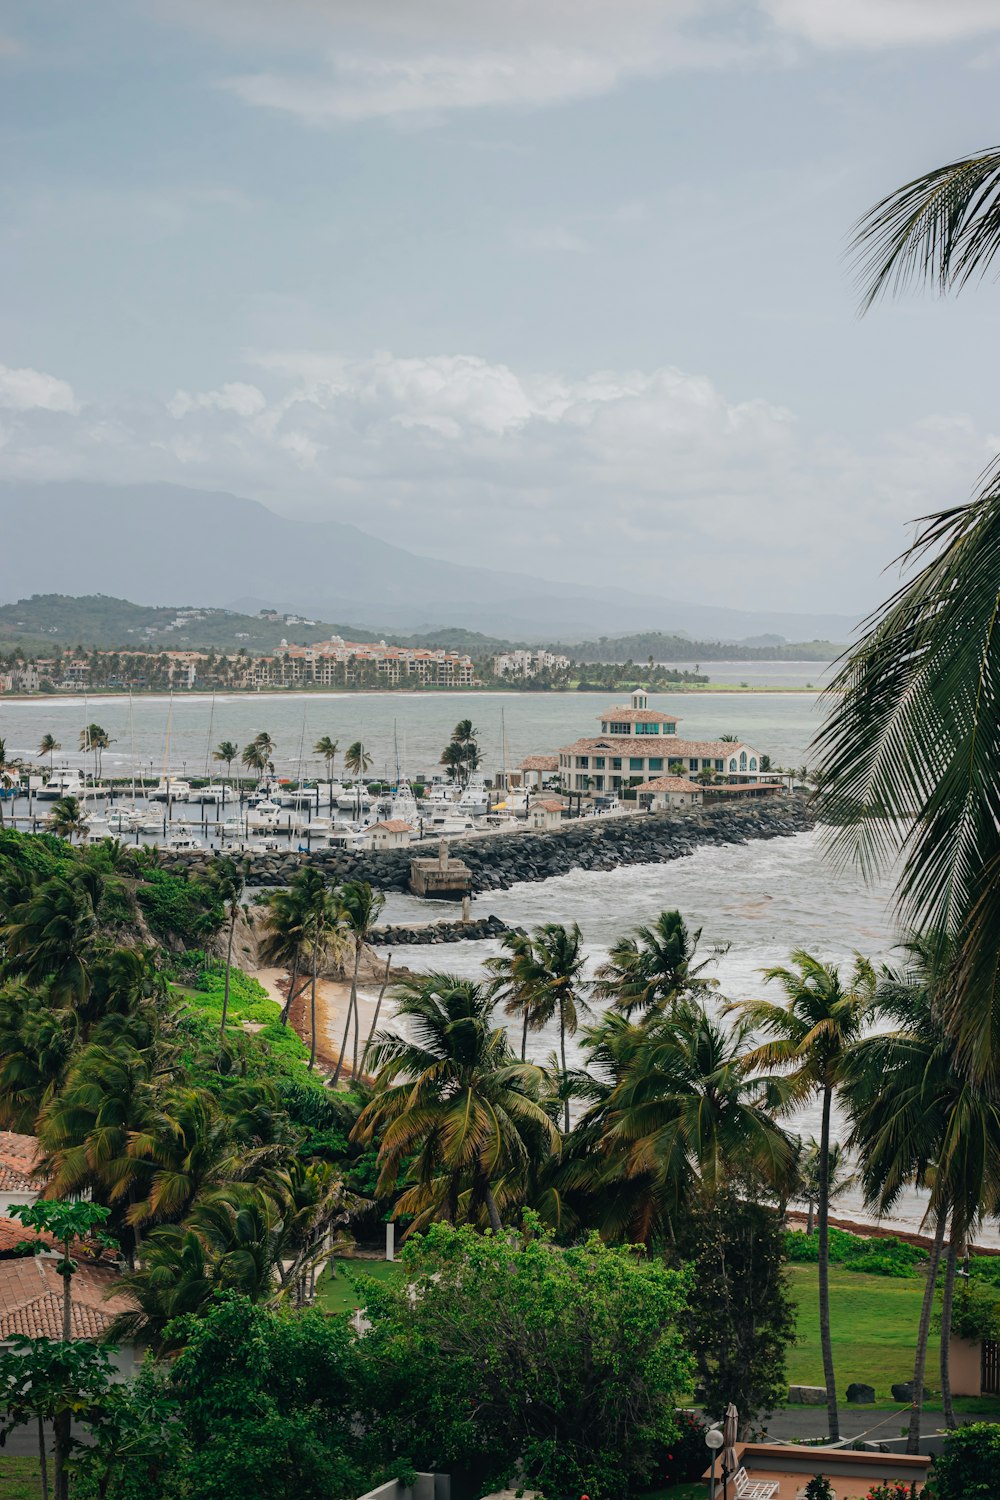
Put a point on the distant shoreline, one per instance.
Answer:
(182, 694)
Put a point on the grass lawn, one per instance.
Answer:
(20, 1479)
(337, 1295)
(873, 1322)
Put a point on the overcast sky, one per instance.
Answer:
(554, 284)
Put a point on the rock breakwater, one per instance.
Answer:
(501, 860)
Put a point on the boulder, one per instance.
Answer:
(859, 1394)
(903, 1391)
(808, 1395)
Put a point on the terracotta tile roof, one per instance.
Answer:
(19, 1155)
(13, 1234)
(31, 1300)
(667, 745)
(670, 784)
(624, 715)
(551, 806)
(395, 825)
(539, 763)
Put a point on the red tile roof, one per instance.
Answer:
(539, 763)
(31, 1300)
(19, 1157)
(13, 1234)
(667, 745)
(625, 715)
(670, 784)
(395, 825)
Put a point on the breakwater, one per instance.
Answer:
(500, 860)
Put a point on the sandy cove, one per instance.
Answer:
(332, 1000)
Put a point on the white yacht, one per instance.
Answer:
(171, 788)
(65, 783)
(265, 815)
(123, 819)
(182, 843)
(356, 798)
(210, 793)
(404, 804)
(475, 800)
(149, 822)
(230, 828)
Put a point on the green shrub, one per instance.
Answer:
(969, 1465)
(175, 907)
(819, 1488)
(975, 1314)
(876, 1256)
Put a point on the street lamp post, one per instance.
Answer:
(714, 1440)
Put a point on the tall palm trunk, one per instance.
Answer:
(350, 1014)
(354, 1007)
(229, 964)
(823, 1217)
(312, 1015)
(491, 1208)
(378, 1004)
(923, 1334)
(43, 1459)
(524, 1034)
(562, 1049)
(293, 979)
(947, 1304)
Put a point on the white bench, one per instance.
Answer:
(745, 1488)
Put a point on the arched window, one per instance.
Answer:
(753, 762)
(732, 764)
(743, 760)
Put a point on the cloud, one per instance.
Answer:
(883, 23)
(28, 390)
(651, 480)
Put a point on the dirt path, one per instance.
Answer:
(332, 1000)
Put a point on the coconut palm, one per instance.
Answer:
(463, 752)
(807, 1039)
(839, 1178)
(255, 758)
(543, 979)
(911, 741)
(359, 906)
(95, 740)
(915, 1117)
(226, 752)
(453, 760)
(50, 936)
(513, 981)
(654, 967)
(329, 749)
(451, 1095)
(283, 934)
(48, 745)
(67, 818)
(8, 775)
(229, 880)
(356, 758)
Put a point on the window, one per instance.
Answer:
(604, 726)
(732, 763)
(581, 783)
(616, 762)
(743, 760)
(635, 763)
(671, 727)
(720, 765)
(753, 762)
(583, 761)
(656, 762)
(620, 728)
(647, 729)
(693, 763)
(599, 762)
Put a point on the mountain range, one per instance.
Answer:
(158, 543)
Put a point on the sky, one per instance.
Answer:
(560, 286)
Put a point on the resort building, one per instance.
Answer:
(336, 661)
(637, 744)
(528, 663)
(669, 791)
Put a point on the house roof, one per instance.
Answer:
(627, 715)
(19, 1159)
(670, 746)
(31, 1300)
(669, 784)
(539, 763)
(14, 1234)
(550, 806)
(394, 825)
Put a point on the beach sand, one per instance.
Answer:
(332, 1001)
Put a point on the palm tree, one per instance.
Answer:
(48, 746)
(910, 744)
(465, 754)
(283, 939)
(329, 749)
(359, 907)
(356, 758)
(915, 1117)
(453, 760)
(226, 752)
(544, 980)
(229, 880)
(451, 1095)
(809, 1036)
(514, 975)
(255, 758)
(67, 818)
(654, 967)
(95, 740)
(807, 1171)
(51, 935)
(264, 742)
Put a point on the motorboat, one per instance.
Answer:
(230, 828)
(211, 793)
(182, 843)
(148, 822)
(404, 804)
(475, 800)
(356, 798)
(441, 793)
(65, 783)
(302, 797)
(266, 815)
(123, 819)
(170, 789)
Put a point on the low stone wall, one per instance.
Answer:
(501, 860)
(439, 932)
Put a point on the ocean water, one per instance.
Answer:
(415, 726)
